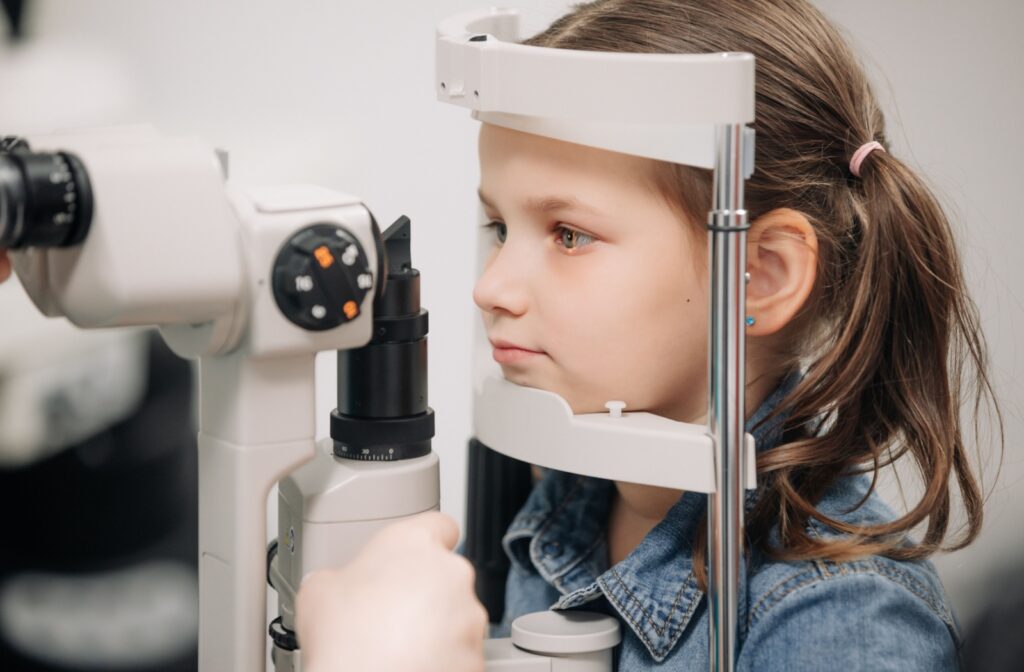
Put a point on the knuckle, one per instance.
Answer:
(445, 522)
(394, 530)
(315, 583)
(312, 582)
(464, 569)
(480, 618)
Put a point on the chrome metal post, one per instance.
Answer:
(727, 227)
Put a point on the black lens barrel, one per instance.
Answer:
(46, 198)
(382, 412)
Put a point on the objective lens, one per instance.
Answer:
(45, 197)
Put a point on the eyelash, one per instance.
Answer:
(561, 229)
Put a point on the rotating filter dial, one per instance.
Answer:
(320, 277)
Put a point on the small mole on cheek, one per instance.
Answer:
(687, 300)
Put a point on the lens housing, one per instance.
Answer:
(45, 197)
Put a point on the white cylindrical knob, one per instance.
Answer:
(615, 408)
(565, 632)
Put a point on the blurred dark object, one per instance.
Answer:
(14, 11)
(994, 641)
(498, 488)
(109, 526)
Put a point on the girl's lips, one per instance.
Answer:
(506, 352)
(513, 355)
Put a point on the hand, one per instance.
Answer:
(405, 604)
(5, 265)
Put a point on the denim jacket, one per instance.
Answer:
(869, 614)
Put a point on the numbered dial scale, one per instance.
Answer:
(321, 277)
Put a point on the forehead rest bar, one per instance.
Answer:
(480, 67)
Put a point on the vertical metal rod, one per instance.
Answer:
(727, 224)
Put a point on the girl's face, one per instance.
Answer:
(593, 271)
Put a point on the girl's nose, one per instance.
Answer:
(502, 285)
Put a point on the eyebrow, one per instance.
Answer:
(546, 204)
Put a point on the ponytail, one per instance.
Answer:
(890, 338)
(890, 384)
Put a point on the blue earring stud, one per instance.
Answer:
(750, 320)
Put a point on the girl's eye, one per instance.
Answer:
(571, 239)
(500, 230)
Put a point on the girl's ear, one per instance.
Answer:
(782, 259)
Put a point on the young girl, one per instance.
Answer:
(860, 340)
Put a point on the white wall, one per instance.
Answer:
(341, 94)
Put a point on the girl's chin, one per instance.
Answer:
(526, 380)
(516, 375)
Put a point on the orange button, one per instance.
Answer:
(324, 256)
(350, 309)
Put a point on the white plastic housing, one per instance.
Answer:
(172, 245)
(634, 447)
(268, 216)
(257, 420)
(330, 507)
(152, 256)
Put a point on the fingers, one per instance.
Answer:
(5, 266)
(405, 575)
(481, 619)
(436, 525)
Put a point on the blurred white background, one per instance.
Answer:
(341, 94)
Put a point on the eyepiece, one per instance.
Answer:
(45, 197)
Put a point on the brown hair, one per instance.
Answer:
(889, 338)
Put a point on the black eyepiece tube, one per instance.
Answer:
(382, 412)
(45, 197)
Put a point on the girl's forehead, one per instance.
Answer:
(543, 169)
(496, 143)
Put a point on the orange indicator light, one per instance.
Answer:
(350, 309)
(324, 256)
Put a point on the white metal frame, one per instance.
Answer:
(686, 108)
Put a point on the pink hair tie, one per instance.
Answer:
(861, 154)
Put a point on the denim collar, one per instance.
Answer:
(560, 534)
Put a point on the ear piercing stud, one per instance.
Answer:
(750, 318)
